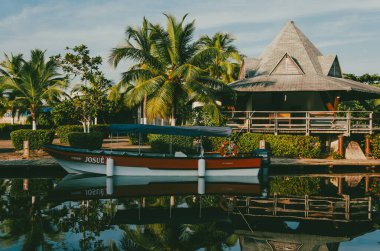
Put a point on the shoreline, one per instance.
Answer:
(275, 162)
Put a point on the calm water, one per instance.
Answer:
(332, 211)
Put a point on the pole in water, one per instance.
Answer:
(201, 186)
(109, 167)
(109, 185)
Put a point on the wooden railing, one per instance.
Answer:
(306, 122)
(342, 209)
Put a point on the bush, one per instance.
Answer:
(104, 129)
(161, 143)
(295, 146)
(134, 138)
(375, 140)
(64, 131)
(92, 140)
(6, 129)
(37, 138)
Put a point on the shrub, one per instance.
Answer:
(375, 140)
(102, 128)
(37, 138)
(280, 145)
(92, 140)
(64, 131)
(161, 143)
(134, 138)
(6, 129)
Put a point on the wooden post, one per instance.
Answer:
(306, 206)
(367, 149)
(275, 205)
(366, 183)
(340, 144)
(26, 152)
(340, 189)
(370, 122)
(369, 208)
(348, 118)
(307, 123)
(275, 124)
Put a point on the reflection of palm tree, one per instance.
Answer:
(177, 237)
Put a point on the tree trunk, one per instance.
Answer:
(95, 120)
(145, 120)
(172, 119)
(84, 126)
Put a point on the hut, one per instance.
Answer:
(293, 83)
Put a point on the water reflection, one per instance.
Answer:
(279, 212)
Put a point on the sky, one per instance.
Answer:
(348, 28)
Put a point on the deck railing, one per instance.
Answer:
(306, 207)
(306, 122)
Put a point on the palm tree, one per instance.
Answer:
(138, 43)
(226, 63)
(172, 74)
(35, 82)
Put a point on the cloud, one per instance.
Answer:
(53, 25)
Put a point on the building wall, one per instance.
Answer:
(295, 101)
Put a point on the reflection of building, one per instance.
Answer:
(322, 237)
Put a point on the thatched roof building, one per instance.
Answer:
(292, 65)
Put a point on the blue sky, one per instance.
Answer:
(349, 28)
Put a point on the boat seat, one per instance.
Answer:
(179, 154)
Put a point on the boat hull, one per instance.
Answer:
(76, 161)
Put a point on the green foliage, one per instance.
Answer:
(6, 129)
(63, 113)
(37, 138)
(104, 129)
(92, 140)
(294, 146)
(171, 69)
(294, 186)
(161, 143)
(134, 138)
(33, 82)
(64, 131)
(36, 187)
(336, 155)
(375, 143)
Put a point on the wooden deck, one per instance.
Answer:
(303, 122)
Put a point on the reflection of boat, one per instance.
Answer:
(87, 186)
(129, 163)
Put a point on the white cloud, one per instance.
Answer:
(53, 25)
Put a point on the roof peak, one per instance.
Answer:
(293, 41)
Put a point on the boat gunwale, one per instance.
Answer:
(120, 153)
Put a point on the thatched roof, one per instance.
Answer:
(292, 63)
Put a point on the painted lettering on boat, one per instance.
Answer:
(95, 160)
(94, 192)
(76, 158)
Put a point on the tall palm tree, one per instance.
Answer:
(226, 63)
(173, 72)
(35, 82)
(138, 43)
